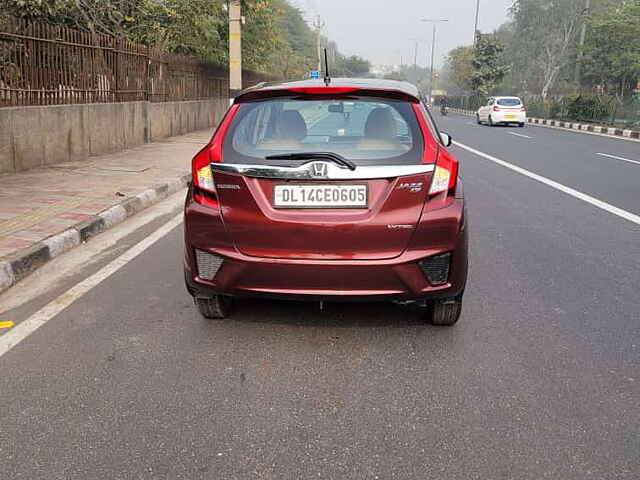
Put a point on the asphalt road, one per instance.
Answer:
(540, 378)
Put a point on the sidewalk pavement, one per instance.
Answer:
(48, 210)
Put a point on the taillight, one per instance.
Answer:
(212, 153)
(496, 108)
(445, 175)
(201, 169)
(523, 109)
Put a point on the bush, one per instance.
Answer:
(588, 107)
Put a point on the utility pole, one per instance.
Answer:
(475, 28)
(433, 49)
(319, 25)
(583, 34)
(235, 48)
(414, 75)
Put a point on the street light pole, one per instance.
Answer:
(433, 48)
(319, 24)
(475, 28)
(414, 76)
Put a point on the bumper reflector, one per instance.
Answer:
(208, 264)
(436, 268)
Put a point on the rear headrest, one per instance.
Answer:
(381, 125)
(291, 125)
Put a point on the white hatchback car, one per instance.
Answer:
(502, 110)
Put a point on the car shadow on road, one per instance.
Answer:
(333, 314)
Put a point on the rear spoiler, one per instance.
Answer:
(252, 95)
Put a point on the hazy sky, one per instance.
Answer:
(381, 30)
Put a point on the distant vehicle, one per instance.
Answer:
(502, 111)
(287, 205)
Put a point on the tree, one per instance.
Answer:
(488, 66)
(353, 66)
(546, 36)
(459, 68)
(611, 54)
(110, 17)
(276, 38)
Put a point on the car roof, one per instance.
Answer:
(508, 96)
(369, 84)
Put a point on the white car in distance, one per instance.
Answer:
(502, 111)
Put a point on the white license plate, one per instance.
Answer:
(320, 195)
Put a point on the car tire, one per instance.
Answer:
(478, 119)
(216, 307)
(521, 125)
(444, 313)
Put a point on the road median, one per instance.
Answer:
(625, 134)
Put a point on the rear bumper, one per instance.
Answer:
(401, 278)
(507, 117)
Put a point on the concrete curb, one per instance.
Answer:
(26, 261)
(575, 127)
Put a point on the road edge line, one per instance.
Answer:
(23, 329)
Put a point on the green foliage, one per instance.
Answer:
(589, 107)
(353, 66)
(611, 54)
(292, 51)
(546, 32)
(487, 63)
(276, 39)
(111, 17)
(395, 75)
(459, 68)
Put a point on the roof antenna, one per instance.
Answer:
(327, 76)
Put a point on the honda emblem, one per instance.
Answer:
(319, 170)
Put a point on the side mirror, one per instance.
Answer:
(446, 139)
(336, 108)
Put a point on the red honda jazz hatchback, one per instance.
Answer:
(329, 192)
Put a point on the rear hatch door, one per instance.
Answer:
(315, 207)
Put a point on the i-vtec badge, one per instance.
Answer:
(399, 227)
(227, 186)
(412, 187)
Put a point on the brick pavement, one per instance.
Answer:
(39, 203)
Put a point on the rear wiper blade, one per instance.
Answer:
(334, 157)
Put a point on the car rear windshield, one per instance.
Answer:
(366, 130)
(509, 102)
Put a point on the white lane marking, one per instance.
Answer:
(519, 135)
(618, 158)
(53, 308)
(558, 186)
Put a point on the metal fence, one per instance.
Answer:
(586, 107)
(42, 64)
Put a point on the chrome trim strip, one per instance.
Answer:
(331, 171)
